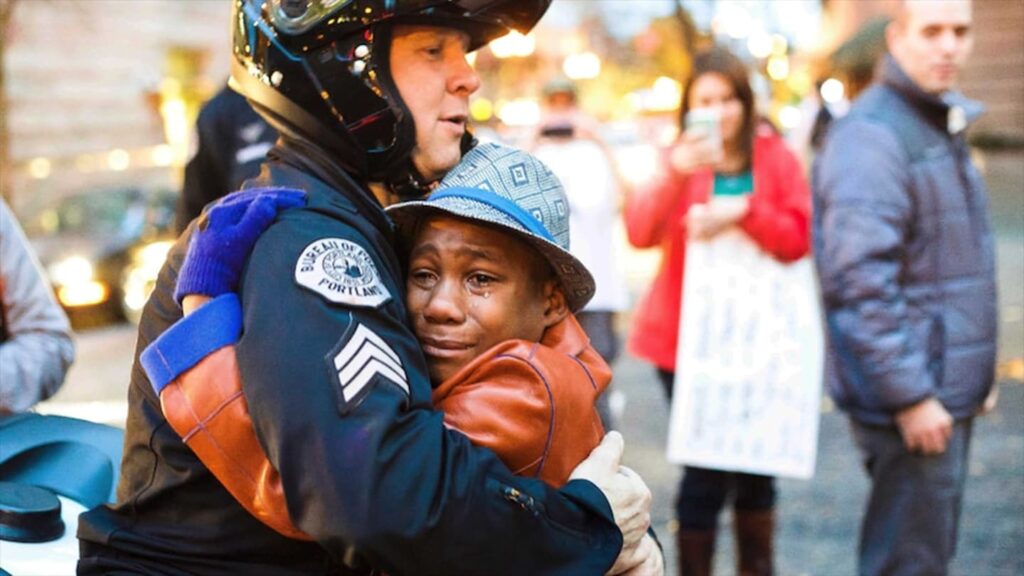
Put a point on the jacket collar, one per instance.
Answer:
(566, 336)
(313, 161)
(939, 109)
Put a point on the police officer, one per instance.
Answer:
(361, 92)
(231, 142)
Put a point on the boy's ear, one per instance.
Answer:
(555, 306)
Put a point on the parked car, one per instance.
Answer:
(102, 248)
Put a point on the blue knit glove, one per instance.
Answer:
(218, 250)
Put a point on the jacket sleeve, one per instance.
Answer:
(38, 349)
(649, 210)
(863, 215)
(193, 368)
(506, 407)
(779, 221)
(340, 400)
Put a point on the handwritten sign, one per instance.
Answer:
(749, 365)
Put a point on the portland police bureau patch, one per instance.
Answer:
(342, 272)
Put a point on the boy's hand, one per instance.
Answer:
(191, 302)
(217, 252)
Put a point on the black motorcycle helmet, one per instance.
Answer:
(319, 69)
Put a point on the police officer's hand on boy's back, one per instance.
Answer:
(629, 496)
(631, 500)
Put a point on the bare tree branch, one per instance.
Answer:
(6, 20)
(688, 27)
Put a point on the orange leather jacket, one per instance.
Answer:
(532, 403)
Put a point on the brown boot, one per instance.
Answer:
(755, 530)
(696, 549)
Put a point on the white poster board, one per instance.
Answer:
(750, 361)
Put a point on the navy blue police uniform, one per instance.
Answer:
(340, 399)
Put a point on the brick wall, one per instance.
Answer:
(995, 72)
(80, 75)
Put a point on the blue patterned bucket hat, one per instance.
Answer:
(509, 188)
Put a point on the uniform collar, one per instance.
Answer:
(950, 111)
(308, 160)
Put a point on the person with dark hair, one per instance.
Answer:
(904, 250)
(727, 172)
(230, 143)
(371, 102)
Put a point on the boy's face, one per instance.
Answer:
(471, 287)
(431, 73)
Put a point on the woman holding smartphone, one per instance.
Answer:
(728, 168)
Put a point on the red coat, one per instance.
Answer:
(778, 221)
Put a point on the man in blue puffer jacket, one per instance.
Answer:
(905, 253)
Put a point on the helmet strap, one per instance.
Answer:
(409, 184)
(383, 165)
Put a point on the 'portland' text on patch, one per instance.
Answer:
(341, 271)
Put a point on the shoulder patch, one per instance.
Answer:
(361, 359)
(342, 272)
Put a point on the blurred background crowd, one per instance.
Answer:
(99, 101)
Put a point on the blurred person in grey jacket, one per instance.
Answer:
(36, 349)
(904, 249)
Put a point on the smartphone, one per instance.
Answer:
(558, 130)
(707, 121)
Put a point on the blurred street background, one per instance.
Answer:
(98, 99)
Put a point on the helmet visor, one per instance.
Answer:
(483, 20)
(293, 17)
(297, 16)
(521, 15)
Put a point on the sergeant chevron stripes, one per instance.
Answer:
(363, 357)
